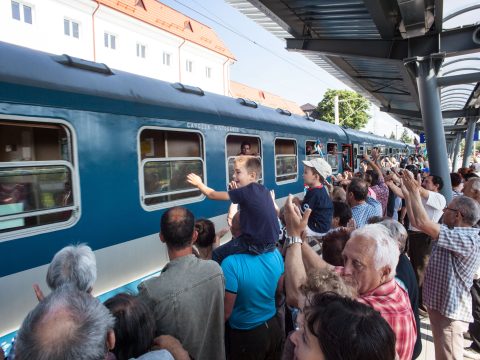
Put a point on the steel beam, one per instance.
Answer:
(458, 140)
(448, 114)
(425, 70)
(467, 152)
(459, 79)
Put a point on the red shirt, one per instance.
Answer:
(392, 302)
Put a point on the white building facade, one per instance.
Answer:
(97, 31)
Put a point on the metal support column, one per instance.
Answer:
(425, 70)
(467, 152)
(458, 140)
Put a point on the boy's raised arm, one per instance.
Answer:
(196, 181)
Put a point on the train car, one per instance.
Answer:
(94, 155)
(360, 143)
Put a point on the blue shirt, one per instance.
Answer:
(319, 201)
(258, 219)
(254, 279)
(361, 213)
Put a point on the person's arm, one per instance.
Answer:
(374, 167)
(394, 188)
(196, 181)
(416, 212)
(229, 303)
(295, 274)
(172, 345)
(312, 260)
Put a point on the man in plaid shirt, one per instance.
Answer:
(449, 276)
(371, 256)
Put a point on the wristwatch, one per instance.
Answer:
(290, 240)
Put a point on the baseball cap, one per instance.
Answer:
(323, 167)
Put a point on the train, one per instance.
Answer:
(93, 155)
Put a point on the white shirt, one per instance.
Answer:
(434, 206)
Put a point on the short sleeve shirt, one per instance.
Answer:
(449, 276)
(318, 200)
(434, 206)
(254, 279)
(259, 221)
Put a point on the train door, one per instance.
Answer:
(347, 161)
(355, 160)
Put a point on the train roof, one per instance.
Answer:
(61, 73)
(368, 138)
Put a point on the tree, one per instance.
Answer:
(407, 139)
(392, 136)
(352, 108)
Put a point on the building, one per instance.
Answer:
(139, 36)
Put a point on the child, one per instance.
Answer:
(259, 222)
(317, 198)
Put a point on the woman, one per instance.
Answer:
(339, 328)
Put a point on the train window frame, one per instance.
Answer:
(275, 156)
(142, 162)
(73, 166)
(328, 156)
(227, 158)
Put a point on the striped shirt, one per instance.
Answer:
(449, 275)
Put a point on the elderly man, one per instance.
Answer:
(187, 298)
(74, 265)
(371, 256)
(67, 324)
(449, 275)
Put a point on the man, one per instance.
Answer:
(455, 258)
(363, 206)
(377, 181)
(187, 297)
(253, 330)
(472, 190)
(419, 243)
(75, 265)
(370, 256)
(67, 324)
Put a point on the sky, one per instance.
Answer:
(264, 63)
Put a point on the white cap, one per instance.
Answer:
(323, 167)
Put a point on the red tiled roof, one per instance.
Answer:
(163, 17)
(238, 90)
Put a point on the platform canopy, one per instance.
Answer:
(366, 44)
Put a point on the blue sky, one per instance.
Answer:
(263, 62)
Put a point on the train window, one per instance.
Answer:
(242, 145)
(285, 160)
(332, 156)
(167, 157)
(37, 176)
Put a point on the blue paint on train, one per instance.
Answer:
(106, 113)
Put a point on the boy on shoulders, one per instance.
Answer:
(259, 222)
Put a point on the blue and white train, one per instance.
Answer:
(94, 155)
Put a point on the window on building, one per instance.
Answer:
(242, 145)
(37, 176)
(141, 51)
(285, 160)
(167, 58)
(167, 157)
(110, 41)
(22, 12)
(71, 28)
(189, 66)
(208, 72)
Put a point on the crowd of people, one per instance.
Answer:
(344, 272)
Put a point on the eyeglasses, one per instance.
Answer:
(447, 208)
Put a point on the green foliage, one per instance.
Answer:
(392, 136)
(407, 139)
(353, 108)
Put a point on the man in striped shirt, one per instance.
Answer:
(370, 258)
